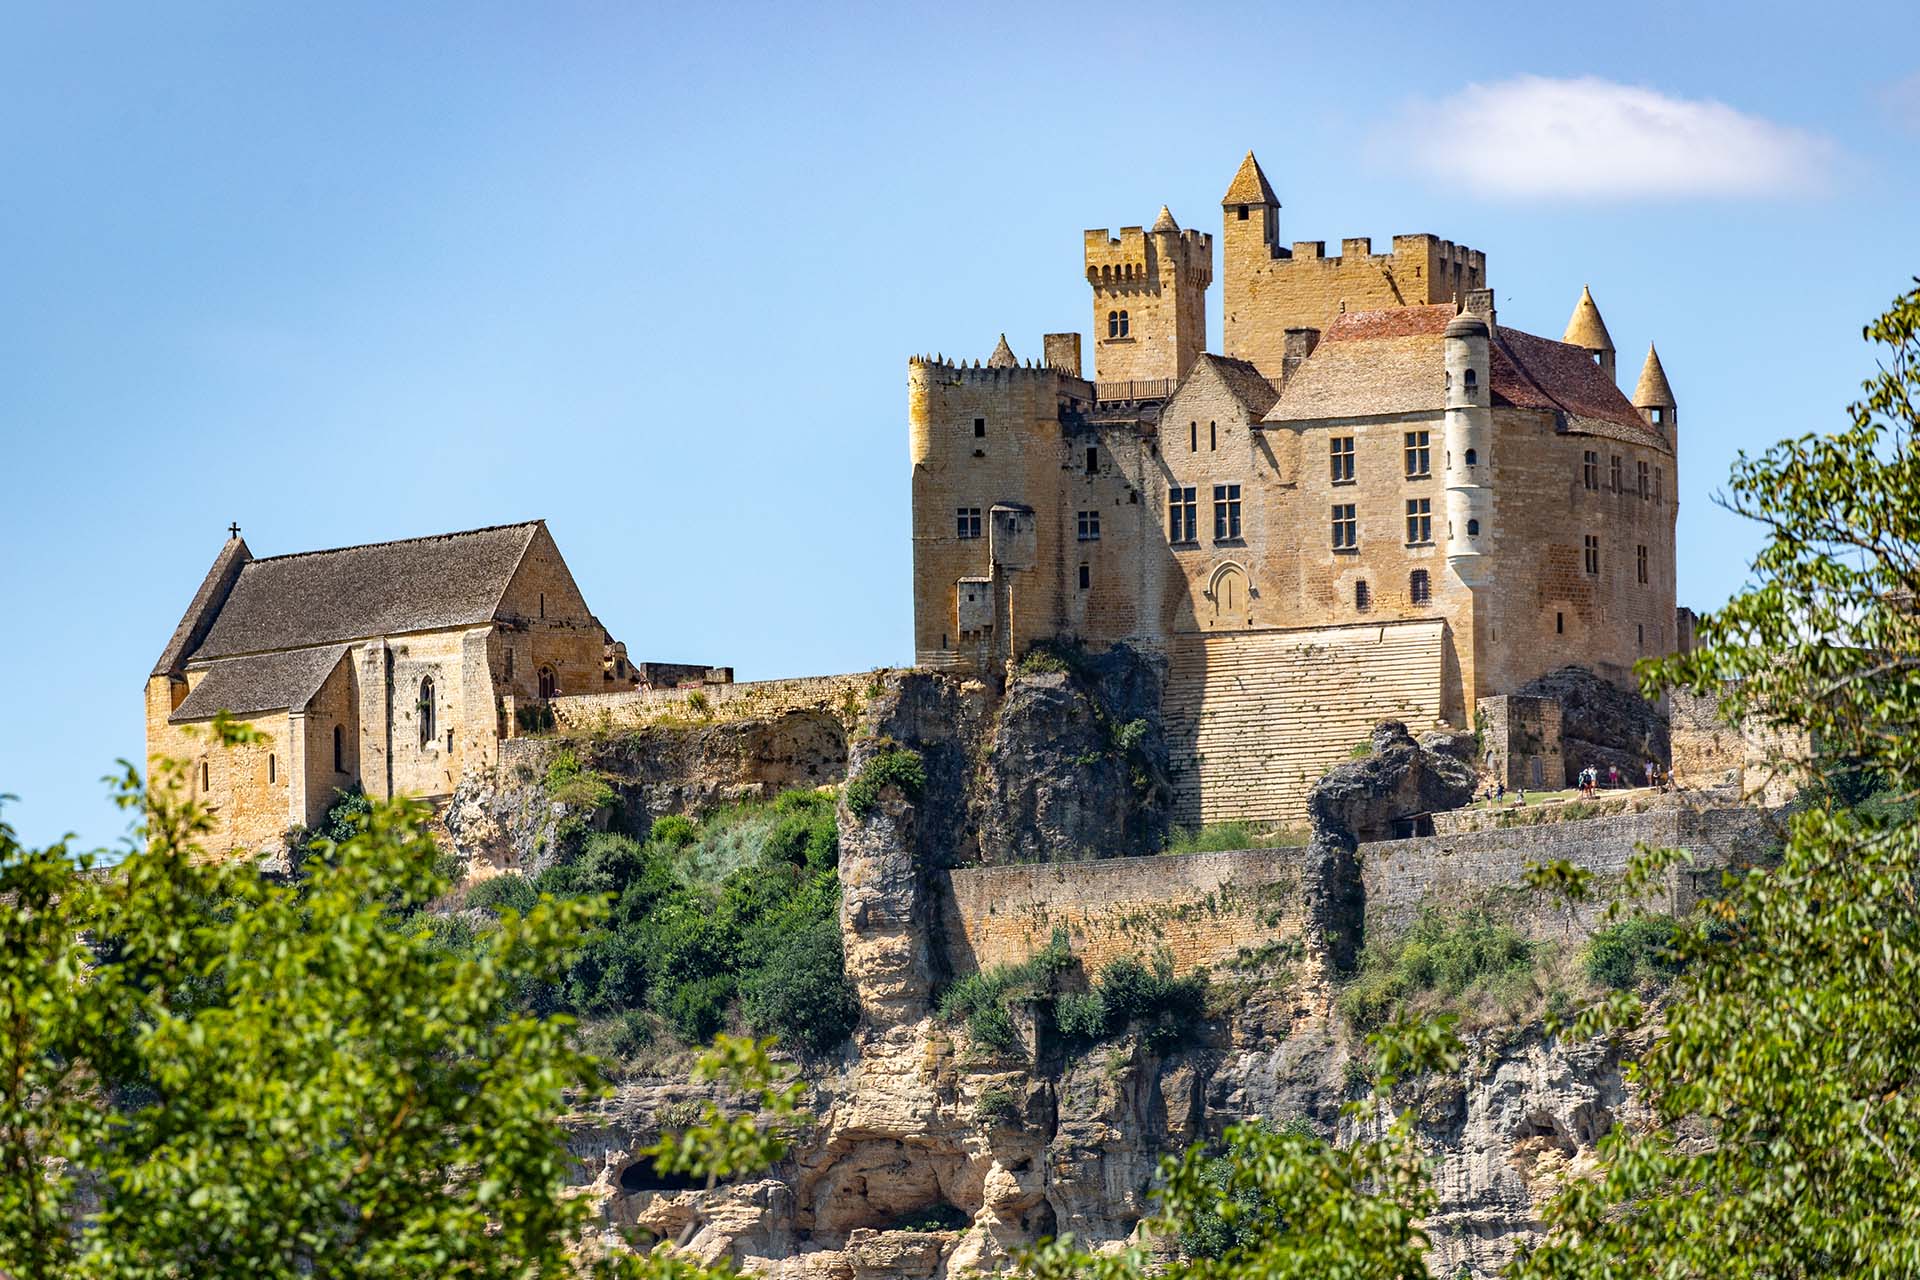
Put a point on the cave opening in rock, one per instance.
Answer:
(642, 1176)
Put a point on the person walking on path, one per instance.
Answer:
(1613, 777)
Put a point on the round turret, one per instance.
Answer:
(1466, 325)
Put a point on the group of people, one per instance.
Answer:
(1590, 778)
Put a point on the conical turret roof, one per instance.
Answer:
(1165, 221)
(1250, 186)
(1652, 391)
(1585, 328)
(1002, 357)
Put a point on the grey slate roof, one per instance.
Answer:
(385, 588)
(261, 682)
(206, 604)
(1246, 384)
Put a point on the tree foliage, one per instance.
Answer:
(1785, 1082)
(204, 1072)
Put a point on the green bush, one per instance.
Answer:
(570, 783)
(991, 1025)
(508, 890)
(934, 1217)
(1438, 954)
(1227, 836)
(996, 1106)
(673, 831)
(892, 766)
(632, 1033)
(801, 992)
(1623, 954)
(1166, 1009)
(1080, 1017)
(1044, 660)
(697, 1009)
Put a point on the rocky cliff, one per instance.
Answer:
(938, 1151)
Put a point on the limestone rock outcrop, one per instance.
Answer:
(1603, 725)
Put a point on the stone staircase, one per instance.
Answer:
(1254, 718)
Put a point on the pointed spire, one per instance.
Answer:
(1250, 186)
(1165, 221)
(1002, 357)
(1652, 391)
(1585, 328)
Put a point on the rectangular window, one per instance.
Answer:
(1346, 528)
(1089, 526)
(1213, 436)
(979, 428)
(1593, 555)
(1226, 512)
(1093, 460)
(1340, 453)
(1419, 456)
(1419, 521)
(1183, 512)
(1590, 469)
(1420, 587)
(1614, 473)
(1646, 486)
(1640, 558)
(968, 520)
(1657, 478)
(1086, 577)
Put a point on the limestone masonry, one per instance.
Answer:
(1379, 502)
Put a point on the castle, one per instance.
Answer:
(1379, 502)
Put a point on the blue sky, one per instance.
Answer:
(353, 272)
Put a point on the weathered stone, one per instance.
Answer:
(1603, 725)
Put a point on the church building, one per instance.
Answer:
(392, 667)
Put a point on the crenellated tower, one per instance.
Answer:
(1149, 301)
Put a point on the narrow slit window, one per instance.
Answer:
(979, 428)
(1213, 436)
(272, 768)
(1086, 576)
(1193, 437)
(1093, 460)
(339, 749)
(1640, 563)
(427, 732)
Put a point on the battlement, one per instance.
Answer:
(1139, 255)
(978, 371)
(1420, 249)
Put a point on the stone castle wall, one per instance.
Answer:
(1208, 910)
(842, 695)
(1750, 760)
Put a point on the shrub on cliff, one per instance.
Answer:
(1440, 955)
(1629, 951)
(892, 766)
(801, 994)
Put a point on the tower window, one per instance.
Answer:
(1340, 457)
(1419, 455)
(1659, 416)
(1473, 383)
(1473, 528)
(1086, 576)
(979, 428)
(1346, 528)
(1657, 478)
(1113, 324)
(1644, 482)
(1123, 324)
(967, 522)
(1590, 469)
(1419, 521)
(1362, 597)
(1243, 212)
(1182, 514)
(1593, 555)
(1473, 458)
(427, 733)
(1093, 460)
(1419, 587)
(339, 749)
(1640, 563)
(1226, 512)
(1088, 526)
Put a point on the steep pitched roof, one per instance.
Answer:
(260, 682)
(1390, 322)
(1249, 185)
(1002, 357)
(1652, 391)
(1585, 328)
(1165, 221)
(1362, 378)
(1243, 381)
(1538, 373)
(205, 607)
(385, 588)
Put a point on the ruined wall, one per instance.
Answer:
(842, 695)
(1520, 740)
(1207, 909)
(1751, 760)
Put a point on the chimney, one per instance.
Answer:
(1299, 345)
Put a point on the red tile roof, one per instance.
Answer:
(1389, 322)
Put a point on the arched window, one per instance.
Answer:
(1123, 324)
(427, 734)
(1473, 383)
(1418, 588)
(1473, 457)
(1113, 324)
(339, 749)
(549, 683)
(1362, 596)
(1473, 528)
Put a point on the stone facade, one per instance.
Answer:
(1520, 741)
(393, 668)
(1747, 761)
(1399, 460)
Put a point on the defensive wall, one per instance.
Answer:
(1225, 910)
(843, 695)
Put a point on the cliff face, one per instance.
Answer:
(934, 1153)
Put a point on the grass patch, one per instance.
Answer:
(1219, 837)
(1444, 963)
(1126, 995)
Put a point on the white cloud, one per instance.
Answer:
(1902, 101)
(1592, 138)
